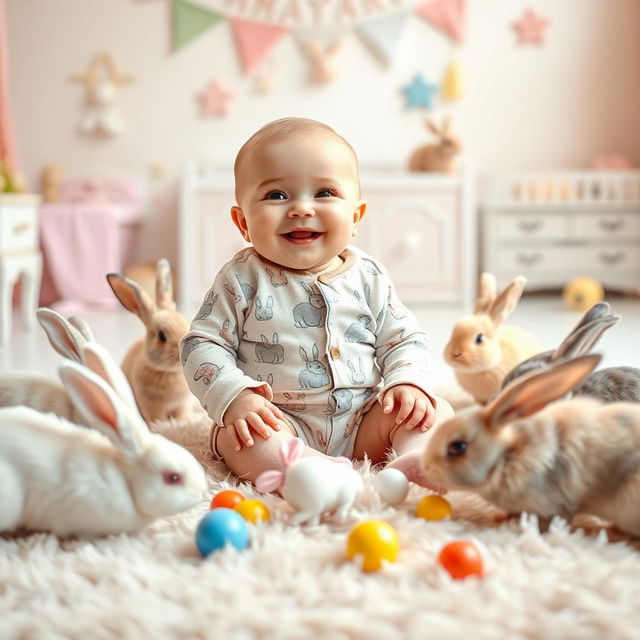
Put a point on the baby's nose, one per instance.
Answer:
(301, 209)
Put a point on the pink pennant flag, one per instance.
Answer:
(254, 40)
(446, 15)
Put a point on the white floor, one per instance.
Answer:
(546, 316)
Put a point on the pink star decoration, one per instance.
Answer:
(215, 99)
(531, 28)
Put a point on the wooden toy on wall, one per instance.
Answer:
(102, 82)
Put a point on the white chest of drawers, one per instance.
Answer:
(554, 227)
(420, 226)
(19, 257)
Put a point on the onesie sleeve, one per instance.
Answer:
(402, 348)
(209, 351)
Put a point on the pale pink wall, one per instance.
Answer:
(550, 107)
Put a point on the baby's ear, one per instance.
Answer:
(358, 214)
(239, 219)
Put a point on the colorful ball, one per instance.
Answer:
(392, 486)
(219, 528)
(434, 508)
(252, 510)
(461, 559)
(374, 541)
(227, 498)
(582, 293)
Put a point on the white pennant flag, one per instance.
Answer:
(383, 34)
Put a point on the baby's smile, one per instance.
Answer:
(302, 236)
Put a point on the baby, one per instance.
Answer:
(302, 335)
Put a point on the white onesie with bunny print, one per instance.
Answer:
(321, 348)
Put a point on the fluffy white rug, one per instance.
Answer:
(296, 582)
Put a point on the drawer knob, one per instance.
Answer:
(529, 259)
(529, 226)
(21, 227)
(612, 225)
(611, 258)
(411, 241)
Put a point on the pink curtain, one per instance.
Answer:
(7, 142)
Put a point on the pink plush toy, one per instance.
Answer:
(313, 484)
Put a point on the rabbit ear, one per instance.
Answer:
(506, 302)
(269, 481)
(487, 288)
(102, 409)
(132, 296)
(99, 360)
(83, 327)
(432, 126)
(291, 450)
(587, 332)
(526, 395)
(164, 285)
(64, 338)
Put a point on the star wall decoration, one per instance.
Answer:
(420, 93)
(531, 28)
(216, 98)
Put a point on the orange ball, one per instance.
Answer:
(227, 498)
(461, 559)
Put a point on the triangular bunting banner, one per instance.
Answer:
(383, 34)
(446, 15)
(190, 20)
(254, 40)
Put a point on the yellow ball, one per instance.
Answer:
(582, 293)
(374, 541)
(434, 508)
(252, 510)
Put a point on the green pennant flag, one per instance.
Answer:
(189, 21)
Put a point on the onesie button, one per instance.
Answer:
(335, 353)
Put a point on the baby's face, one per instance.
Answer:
(299, 201)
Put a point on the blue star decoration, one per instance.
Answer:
(420, 93)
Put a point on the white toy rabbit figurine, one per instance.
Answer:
(314, 484)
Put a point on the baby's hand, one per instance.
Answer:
(415, 407)
(249, 410)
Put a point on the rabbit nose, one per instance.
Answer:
(456, 354)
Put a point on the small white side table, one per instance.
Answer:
(19, 256)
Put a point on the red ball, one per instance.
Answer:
(461, 559)
(227, 498)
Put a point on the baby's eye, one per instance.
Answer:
(326, 193)
(275, 195)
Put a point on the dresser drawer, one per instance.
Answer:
(18, 227)
(607, 225)
(529, 226)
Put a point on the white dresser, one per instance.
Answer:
(420, 226)
(552, 227)
(19, 257)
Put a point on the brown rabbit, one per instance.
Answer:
(152, 364)
(572, 456)
(440, 156)
(481, 350)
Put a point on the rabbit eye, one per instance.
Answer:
(456, 448)
(172, 477)
(480, 338)
(162, 336)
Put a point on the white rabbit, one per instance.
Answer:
(57, 477)
(42, 393)
(315, 374)
(574, 456)
(314, 484)
(312, 313)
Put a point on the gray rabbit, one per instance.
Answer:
(357, 377)
(264, 312)
(270, 353)
(187, 347)
(208, 372)
(207, 306)
(315, 374)
(340, 401)
(312, 313)
(358, 332)
(613, 384)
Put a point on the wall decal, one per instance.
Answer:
(323, 63)
(446, 15)
(191, 20)
(419, 93)
(254, 40)
(531, 28)
(215, 99)
(102, 82)
(383, 35)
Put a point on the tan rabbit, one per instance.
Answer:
(440, 156)
(152, 364)
(481, 350)
(573, 456)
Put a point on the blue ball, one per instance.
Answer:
(219, 528)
